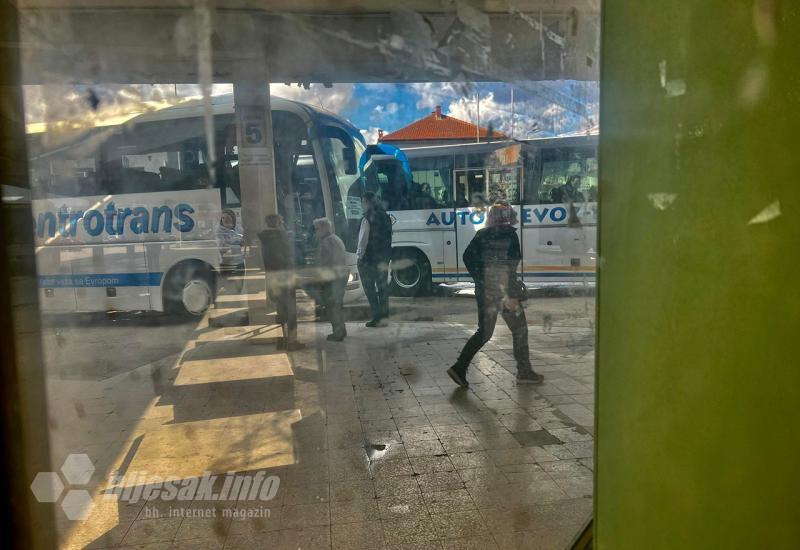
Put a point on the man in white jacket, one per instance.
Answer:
(331, 262)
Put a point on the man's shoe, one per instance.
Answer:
(336, 337)
(457, 377)
(372, 324)
(532, 378)
(381, 323)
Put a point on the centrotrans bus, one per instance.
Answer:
(551, 182)
(135, 217)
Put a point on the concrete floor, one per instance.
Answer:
(371, 443)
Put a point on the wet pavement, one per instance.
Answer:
(370, 443)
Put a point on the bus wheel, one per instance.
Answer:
(189, 290)
(410, 273)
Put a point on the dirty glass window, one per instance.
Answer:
(240, 351)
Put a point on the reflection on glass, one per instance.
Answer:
(194, 241)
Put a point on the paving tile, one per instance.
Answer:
(462, 444)
(204, 528)
(252, 540)
(473, 543)
(541, 454)
(430, 464)
(439, 481)
(576, 487)
(196, 544)
(253, 521)
(500, 441)
(483, 477)
(397, 486)
(390, 467)
(412, 422)
(581, 449)
(413, 434)
(444, 419)
(463, 524)
(510, 456)
(352, 490)
(307, 537)
(408, 532)
(362, 535)
(565, 468)
(355, 511)
(305, 515)
(535, 438)
(569, 435)
(393, 507)
(144, 531)
(471, 459)
(448, 502)
(306, 494)
(424, 448)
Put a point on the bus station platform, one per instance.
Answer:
(372, 443)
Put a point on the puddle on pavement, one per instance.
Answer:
(376, 451)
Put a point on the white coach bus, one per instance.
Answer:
(438, 204)
(128, 217)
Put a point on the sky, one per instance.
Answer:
(540, 108)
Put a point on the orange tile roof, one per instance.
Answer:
(437, 126)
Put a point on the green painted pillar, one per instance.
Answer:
(698, 408)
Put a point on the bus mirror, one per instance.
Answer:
(350, 164)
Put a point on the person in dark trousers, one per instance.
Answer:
(374, 254)
(332, 272)
(492, 259)
(278, 257)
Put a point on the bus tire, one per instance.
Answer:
(410, 273)
(189, 289)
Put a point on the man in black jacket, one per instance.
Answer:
(374, 254)
(492, 259)
(278, 256)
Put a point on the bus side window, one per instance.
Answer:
(432, 178)
(567, 175)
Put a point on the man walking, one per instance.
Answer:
(374, 254)
(492, 259)
(331, 263)
(278, 256)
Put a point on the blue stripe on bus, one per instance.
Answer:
(527, 273)
(100, 280)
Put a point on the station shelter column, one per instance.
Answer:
(256, 170)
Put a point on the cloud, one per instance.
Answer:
(533, 114)
(431, 94)
(370, 135)
(84, 106)
(494, 115)
(335, 99)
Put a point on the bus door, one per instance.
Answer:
(471, 205)
(560, 216)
